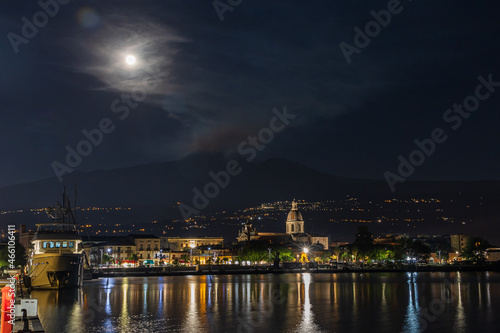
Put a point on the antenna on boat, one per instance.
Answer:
(74, 209)
(64, 196)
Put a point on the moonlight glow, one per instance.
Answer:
(130, 60)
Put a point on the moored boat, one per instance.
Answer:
(56, 259)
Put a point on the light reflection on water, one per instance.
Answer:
(306, 323)
(412, 319)
(307, 302)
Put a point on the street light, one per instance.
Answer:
(109, 251)
(306, 251)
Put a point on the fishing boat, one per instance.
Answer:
(56, 259)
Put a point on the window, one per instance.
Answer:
(44, 245)
(71, 244)
(65, 244)
(51, 245)
(58, 244)
(292, 228)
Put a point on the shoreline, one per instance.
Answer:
(270, 270)
(242, 270)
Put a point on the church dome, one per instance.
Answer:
(294, 215)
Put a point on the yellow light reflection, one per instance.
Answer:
(192, 320)
(124, 315)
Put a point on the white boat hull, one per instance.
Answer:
(56, 271)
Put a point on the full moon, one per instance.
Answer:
(130, 59)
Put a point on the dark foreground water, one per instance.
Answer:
(345, 302)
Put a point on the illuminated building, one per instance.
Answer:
(294, 226)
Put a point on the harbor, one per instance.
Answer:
(300, 300)
(102, 277)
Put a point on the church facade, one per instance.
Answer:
(294, 233)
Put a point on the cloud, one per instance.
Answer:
(102, 53)
(225, 138)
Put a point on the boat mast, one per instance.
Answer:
(74, 209)
(64, 203)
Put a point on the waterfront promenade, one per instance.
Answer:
(258, 269)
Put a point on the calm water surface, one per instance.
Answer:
(344, 302)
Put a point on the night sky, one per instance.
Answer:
(213, 82)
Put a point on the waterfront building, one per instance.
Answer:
(200, 250)
(436, 243)
(147, 248)
(122, 249)
(493, 254)
(459, 242)
(207, 256)
(180, 243)
(118, 248)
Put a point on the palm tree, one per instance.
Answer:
(133, 257)
(354, 251)
(336, 252)
(325, 256)
(106, 258)
(475, 248)
(185, 257)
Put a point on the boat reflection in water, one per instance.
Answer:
(345, 302)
